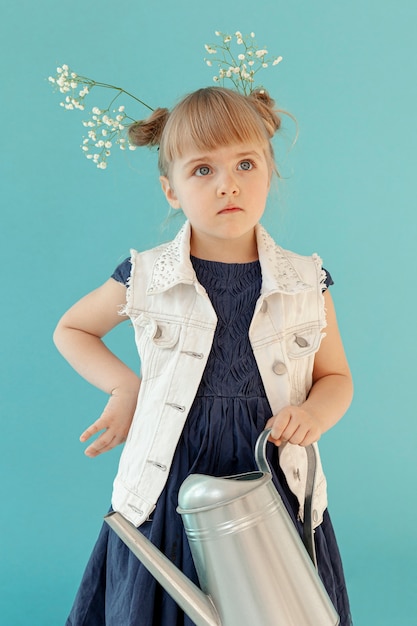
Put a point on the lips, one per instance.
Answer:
(230, 209)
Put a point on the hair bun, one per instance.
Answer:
(148, 132)
(265, 106)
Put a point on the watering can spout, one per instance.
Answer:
(187, 595)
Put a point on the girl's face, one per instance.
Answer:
(223, 193)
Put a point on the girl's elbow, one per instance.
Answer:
(57, 335)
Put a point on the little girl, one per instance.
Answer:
(229, 329)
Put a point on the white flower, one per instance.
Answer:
(209, 63)
(261, 53)
(276, 61)
(96, 111)
(241, 57)
(102, 165)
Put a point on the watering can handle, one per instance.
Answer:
(263, 465)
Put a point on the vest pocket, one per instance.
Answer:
(302, 345)
(153, 337)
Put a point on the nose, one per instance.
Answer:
(227, 186)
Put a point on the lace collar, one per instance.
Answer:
(173, 266)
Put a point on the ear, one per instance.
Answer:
(169, 192)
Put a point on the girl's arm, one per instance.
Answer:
(78, 336)
(329, 397)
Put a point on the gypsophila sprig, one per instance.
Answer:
(106, 126)
(239, 59)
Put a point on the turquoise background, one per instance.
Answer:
(349, 76)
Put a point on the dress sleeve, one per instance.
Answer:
(122, 272)
(328, 280)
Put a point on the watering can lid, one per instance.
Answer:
(199, 491)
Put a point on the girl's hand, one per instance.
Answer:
(295, 425)
(115, 421)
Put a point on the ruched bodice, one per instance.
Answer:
(233, 289)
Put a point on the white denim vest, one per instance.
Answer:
(174, 324)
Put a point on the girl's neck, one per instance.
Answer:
(228, 251)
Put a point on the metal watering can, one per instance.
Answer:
(252, 566)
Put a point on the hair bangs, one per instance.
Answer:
(207, 119)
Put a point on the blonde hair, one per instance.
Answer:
(207, 119)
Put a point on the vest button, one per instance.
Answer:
(279, 368)
(300, 341)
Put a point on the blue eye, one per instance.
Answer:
(203, 170)
(245, 165)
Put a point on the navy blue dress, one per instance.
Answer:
(228, 414)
